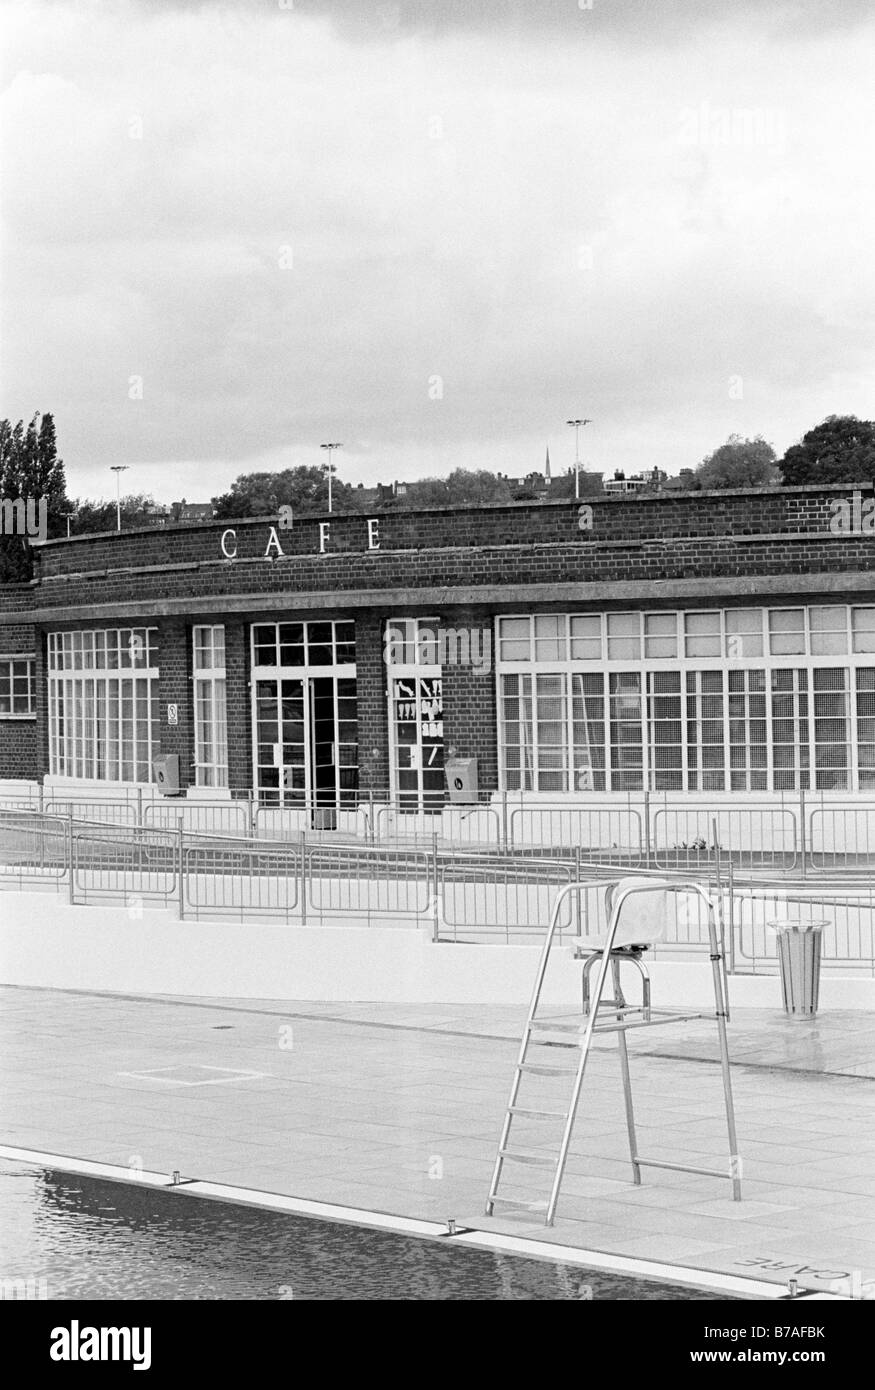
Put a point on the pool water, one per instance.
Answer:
(73, 1237)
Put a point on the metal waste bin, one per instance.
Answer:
(799, 958)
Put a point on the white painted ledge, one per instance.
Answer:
(49, 944)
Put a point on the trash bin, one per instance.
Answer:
(799, 958)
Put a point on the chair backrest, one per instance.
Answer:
(643, 916)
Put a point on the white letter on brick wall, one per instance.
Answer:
(324, 527)
(374, 533)
(229, 554)
(273, 543)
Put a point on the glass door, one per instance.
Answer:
(305, 717)
(281, 741)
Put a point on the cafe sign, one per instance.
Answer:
(273, 549)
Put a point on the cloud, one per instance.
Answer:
(628, 21)
(434, 245)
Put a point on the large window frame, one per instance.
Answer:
(103, 703)
(737, 701)
(210, 706)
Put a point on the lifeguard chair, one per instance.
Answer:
(637, 918)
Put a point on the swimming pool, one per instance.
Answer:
(66, 1236)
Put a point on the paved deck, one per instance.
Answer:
(398, 1109)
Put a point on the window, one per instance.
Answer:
(626, 734)
(550, 638)
(705, 731)
(828, 631)
(665, 730)
(586, 637)
(103, 703)
(551, 733)
(748, 756)
(588, 731)
(831, 730)
(210, 718)
(790, 730)
(517, 732)
(863, 629)
(866, 728)
(787, 632)
(515, 639)
(734, 700)
(660, 634)
(303, 644)
(744, 633)
(702, 634)
(416, 712)
(17, 687)
(411, 642)
(624, 636)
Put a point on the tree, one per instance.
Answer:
(739, 463)
(92, 517)
(462, 485)
(30, 470)
(304, 489)
(839, 450)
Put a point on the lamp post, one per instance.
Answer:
(329, 467)
(69, 517)
(118, 469)
(577, 424)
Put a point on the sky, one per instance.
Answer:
(432, 231)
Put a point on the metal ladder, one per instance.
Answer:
(577, 1032)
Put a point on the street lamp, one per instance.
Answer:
(69, 517)
(118, 469)
(329, 467)
(577, 424)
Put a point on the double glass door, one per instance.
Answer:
(306, 746)
(304, 720)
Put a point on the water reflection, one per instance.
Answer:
(89, 1238)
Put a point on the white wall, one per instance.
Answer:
(45, 942)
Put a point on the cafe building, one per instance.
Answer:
(713, 645)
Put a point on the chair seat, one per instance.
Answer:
(643, 916)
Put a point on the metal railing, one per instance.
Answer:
(459, 895)
(791, 835)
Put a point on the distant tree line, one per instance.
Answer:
(841, 449)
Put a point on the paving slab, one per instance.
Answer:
(398, 1108)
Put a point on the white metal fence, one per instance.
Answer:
(796, 835)
(457, 895)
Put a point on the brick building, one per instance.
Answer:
(718, 644)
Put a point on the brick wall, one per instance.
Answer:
(664, 516)
(371, 686)
(470, 719)
(175, 687)
(18, 737)
(18, 748)
(238, 704)
(572, 560)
